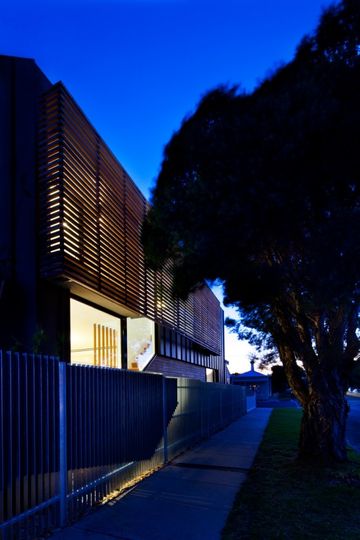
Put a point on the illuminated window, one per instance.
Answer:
(211, 375)
(94, 336)
(141, 342)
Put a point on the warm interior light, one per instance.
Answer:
(94, 336)
(141, 342)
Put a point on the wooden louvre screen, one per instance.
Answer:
(105, 346)
(91, 219)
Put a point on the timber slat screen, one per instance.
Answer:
(105, 346)
(91, 219)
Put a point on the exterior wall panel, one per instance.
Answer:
(176, 368)
(21, 84)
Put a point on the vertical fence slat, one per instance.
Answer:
(10, 416)
(165, 418)
(63, 444)
(25, 413)
(2, 441)
(18, 469)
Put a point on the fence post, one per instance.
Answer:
(165, 437)
(63, 444)
(221, 408)
(201, 403)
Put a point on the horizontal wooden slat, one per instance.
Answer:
(91, 221)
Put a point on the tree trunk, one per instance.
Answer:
(323, 427)
(321, 394)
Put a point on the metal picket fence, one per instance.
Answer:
(29, 445)
(72, 435)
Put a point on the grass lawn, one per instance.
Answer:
(285, 500)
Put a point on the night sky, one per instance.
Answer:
(137, 68)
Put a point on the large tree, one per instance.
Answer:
(261, 190)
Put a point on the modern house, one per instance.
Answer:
(72, 276)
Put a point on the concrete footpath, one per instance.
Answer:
(188, 499)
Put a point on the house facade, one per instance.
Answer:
(73, 281)
(255, 382)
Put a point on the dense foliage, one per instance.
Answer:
(262, 190)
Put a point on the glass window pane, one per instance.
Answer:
(94, 336)
(141, 342)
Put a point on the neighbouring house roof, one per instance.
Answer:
(250, 374)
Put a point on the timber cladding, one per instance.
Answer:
(91, 214)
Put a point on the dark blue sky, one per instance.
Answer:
(138, 67)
